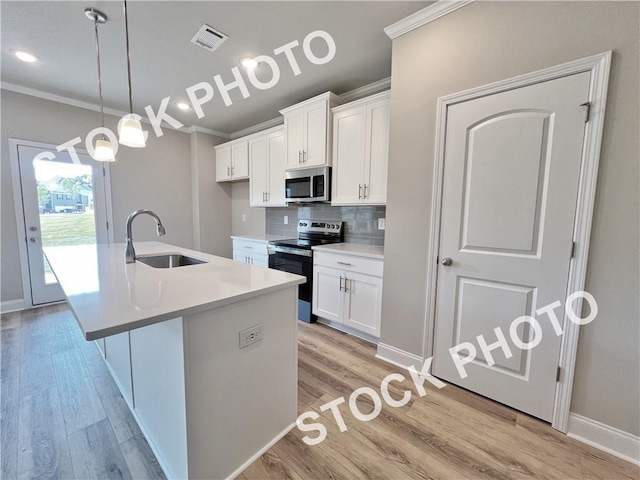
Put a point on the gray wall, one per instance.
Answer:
(211, 200)
(361, 223)
(254, 222)
(486, 42)
(157, 176)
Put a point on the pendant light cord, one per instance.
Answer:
(126, 32)
(99, 77)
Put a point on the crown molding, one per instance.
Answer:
(217, 133)
(366, 90)
(32, 92)
(422, 17)
(274, 122)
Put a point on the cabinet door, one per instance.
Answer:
(328, 297)
(377, 152)
(259, 260)
(294, 137)
(275, 187)
(315, 132)
(119, 360)
(348, 156)
(240, 257)
(223, 164)
(259, 172)
(363, 304)
(240, 160)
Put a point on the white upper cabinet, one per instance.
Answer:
(266, 168)
(307, 131)
(232, 161)
(361, 151)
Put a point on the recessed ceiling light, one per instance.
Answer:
(250, 63)
(183, 105)
(25, 56)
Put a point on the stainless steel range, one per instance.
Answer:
(296, 256)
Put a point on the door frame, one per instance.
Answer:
(599, 66)
(21, 227)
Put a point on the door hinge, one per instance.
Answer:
(558, 374)
(587, 113)
(573, 249)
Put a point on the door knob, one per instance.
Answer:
(446, 261)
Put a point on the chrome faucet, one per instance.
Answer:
(129, 252)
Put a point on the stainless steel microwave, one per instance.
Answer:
(307, 185)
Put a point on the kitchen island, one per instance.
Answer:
(204, 354)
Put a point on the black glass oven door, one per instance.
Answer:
(298, 265)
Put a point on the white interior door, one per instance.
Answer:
(64, 204)
(511, 171)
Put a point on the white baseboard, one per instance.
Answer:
(351, 331)
(604, 437)
(398, 357)
(260, 452)
(12, 306)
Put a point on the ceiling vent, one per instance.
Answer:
(209, 38)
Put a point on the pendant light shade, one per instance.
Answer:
(104, 151)
(131, 133)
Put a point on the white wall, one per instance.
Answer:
(490, 41)
(156, 177)
(211, 200)
(254, 222)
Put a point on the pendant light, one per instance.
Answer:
(103, 151)
(131, 133)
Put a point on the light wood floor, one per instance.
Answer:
(63, 417)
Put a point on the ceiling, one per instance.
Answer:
(165, 62)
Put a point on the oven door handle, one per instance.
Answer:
(294, 251)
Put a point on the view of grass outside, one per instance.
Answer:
(61, 229)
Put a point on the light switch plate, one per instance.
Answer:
(250, 335)
(286, 219)
(381, 223)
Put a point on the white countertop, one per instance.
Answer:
(108, 296)
(371, 251)
(263, 238)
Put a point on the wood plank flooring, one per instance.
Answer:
(63, 417)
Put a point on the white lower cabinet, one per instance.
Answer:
(254, 252)
(118, 356)
(343, 294)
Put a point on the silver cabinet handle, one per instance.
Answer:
(346, 280)
(446, 261)
(266, 196)
(340, 282)
(344, 263)
(304, 156)
(247, 246)
(299, 156)
(228, 171)
(365, 191)
(359, 191)
(232, 171)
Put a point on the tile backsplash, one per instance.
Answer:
(361, 223)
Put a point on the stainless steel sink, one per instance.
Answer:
(168, 260)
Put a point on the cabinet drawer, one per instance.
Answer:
(249, 247)
(349, 263)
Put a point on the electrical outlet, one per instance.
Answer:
(381, 223)
(286, 219)
(244, 217)
(250, 335)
